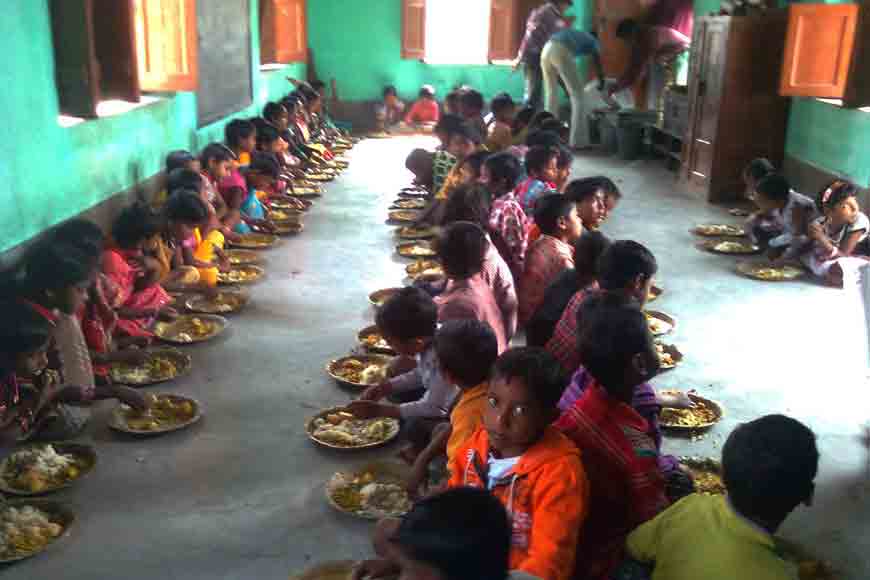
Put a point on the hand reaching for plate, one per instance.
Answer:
(376, 392)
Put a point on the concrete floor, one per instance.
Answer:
(241, 494)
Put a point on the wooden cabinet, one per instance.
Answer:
(827, 53)
(735, 113)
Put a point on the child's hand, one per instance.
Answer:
(133, 398)
(815, 231)
(224, 264)
(675, 399)
(131, 356)
(376, 392)
(168, 313)
(368, 409)
(379, 568)
(415, 480)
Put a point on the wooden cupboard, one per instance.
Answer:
(736, 113)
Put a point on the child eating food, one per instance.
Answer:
(508, 223)
(542, 168)
(424, 111)
(783, 220)
(500, 133)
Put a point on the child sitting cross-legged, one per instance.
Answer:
(260, 179)
(424, 111)
(768, 467)
(534, 470)
(783, 220)
(466, 351)
(543, 172)
(552, 253)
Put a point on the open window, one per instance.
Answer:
(109, 51)
(283, 37)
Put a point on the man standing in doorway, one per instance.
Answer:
(543, 22)
(559, 61)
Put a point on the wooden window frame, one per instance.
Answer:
(277, 17)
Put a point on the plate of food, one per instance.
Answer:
(703, 414)
(320, 176)
(31, 526)
(768, 273)
(45, 467)
(255, 241)
(707, 474)
(739, 212)
(416, 249)
(333, 570)
(729, 247)
(413, 194)
(288, 205)
(286, 215)
(378, 297)
(403, 215)
(669, 355)
(241, 275)
(359, 371)
(337, 429)
(166, 413)
(654, 293)
(415, 203)
(371, 339)
(412, 233)
(243, 257)
(305, 191)
(223, 302)
(803, 562)
(191, 328)
(163, 364)
(659, 322)
(424, 268)
(716, 230)
(371, 492)
(288, 228)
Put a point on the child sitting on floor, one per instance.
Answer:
(241, 138)
(612, 197)
(424, 111)
(621, 461)
(260, 179)
(520, 125)
(552, 253)
(388, 113)
(216, 160)
(836, 235)
(461, 248)
(471, 168)
(183, 213)
(445, 127)
(783, 220)
(768, 466)
(563, 168)
(508, 224)
(542, 172)
(471, 106)
(528, 465)
(589, 194)
(754, 172)
(499, 135)
(466, 351)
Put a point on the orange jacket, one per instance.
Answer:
(545, 496)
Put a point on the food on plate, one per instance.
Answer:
(187, 329)
(410, 203)
(255, 240)
(769, 273)
(372, 339)
(707, 474)
(378, 297)
(720, 230)
(360, 371)
(241, 257)
(413, 233)
(658, 326)
(41, 468)
(158, 367)
(287, 228)
(424, 268)
(344, 430)
(369, 494)
(25, 530)
(419, 249)
(164, 412)
(728, 247)
(666, 356)
(285, 215)
(240, 275)
(221, 303)
(654, 292)
(699, 415)
(404, 215)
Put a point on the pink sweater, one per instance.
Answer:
(472, 298)
(498, 275)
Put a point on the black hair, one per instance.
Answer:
(410, 313)
(23, 331)
(501, 102)
(183, 179)
(265, 164)
(178, 159)
(580, 190)
(472, 99)
(273, 110)
(611, 329)
(215, 152)
(548, 209)
(426, 92)
(266, 136)
(185, 206)
(317, 85)
(468, 132)
(554, 125)
(836, 193)
(464, 533)
(475, 160)
(588, 250)
(79, 233)
(238, 129)
(540, 117)
(538, 157)
(307, 93)
(390, 90)
(768, 467)
(134, 225)
(538, 369)
(461, 248)
(468, 203)
(449, 123)
(417, 158)
(759, 168)
(452, 98)
(503, 167)
(522, 119)
(467, 349)
(566, 157)
(627, 28)
(52, 265)
(774, 187)
(623, 262)
(543, 138)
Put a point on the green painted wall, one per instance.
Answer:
(50, 173)
(358, 42)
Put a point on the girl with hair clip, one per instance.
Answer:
(835, 236)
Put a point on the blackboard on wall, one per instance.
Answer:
(225, 84)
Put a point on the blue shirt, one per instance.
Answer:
(580, 42)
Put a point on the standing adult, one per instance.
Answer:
(542, 23)
(559, 61)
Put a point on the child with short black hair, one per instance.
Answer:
(217, 160)
(527, 464)
(755, 171)
(388, 113)
(552, 253)
(590, 195)
(471, 168)
(508, 223)
(500, 133)
(183, 213)
(542, 172)
(260, 180)
(182, 159)
(445, 128)
(461, 248)
(563, 168)
(471, 106)
(520, 125)
(768, 467)
(783, 220)
(424, 111)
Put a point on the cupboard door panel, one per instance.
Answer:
(413, 29)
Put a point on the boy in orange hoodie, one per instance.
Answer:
(534, 470)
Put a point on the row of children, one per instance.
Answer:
(90, 300)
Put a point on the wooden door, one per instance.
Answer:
(705, 94)
(414, 29)
(115, 49)
(75, 61)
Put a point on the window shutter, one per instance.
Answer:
(115, 45)
(413, 29)
(283, 37)
(166, 44)
(502, 30)
(76, 71)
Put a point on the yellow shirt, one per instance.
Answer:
(466, 417)
(701, 536)
(205, 252)
(244, 159)
(452, 180)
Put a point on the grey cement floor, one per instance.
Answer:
(241, 495)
